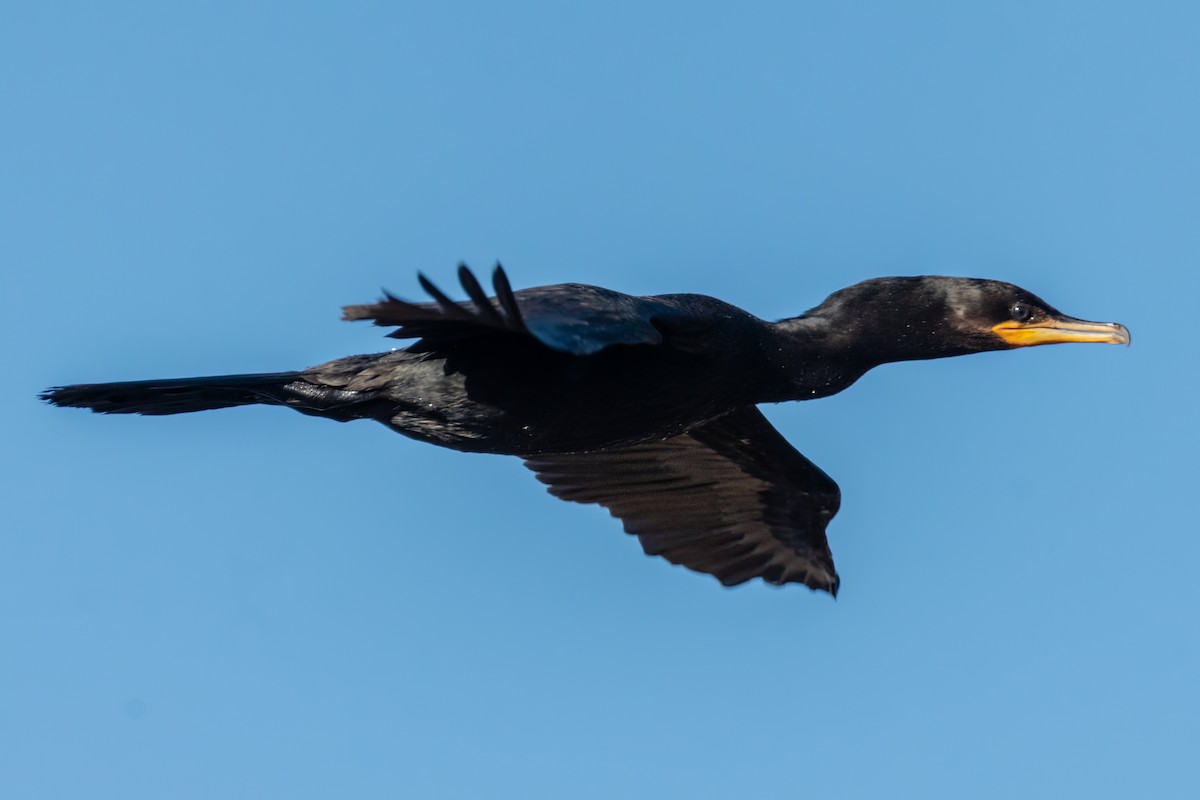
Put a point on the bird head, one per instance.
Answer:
(909, 318)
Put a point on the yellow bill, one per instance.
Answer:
(1059, 331)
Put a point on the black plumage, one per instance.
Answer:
(644, 405)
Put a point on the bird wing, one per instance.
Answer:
(730, 498)
(571, 318)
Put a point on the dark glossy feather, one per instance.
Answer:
(569, 318)
(447, 307)
(483, 304)
(730, 498)
(507, 300)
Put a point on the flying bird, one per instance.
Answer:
(644, 405)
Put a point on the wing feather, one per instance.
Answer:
(730, 498)
(446, 307)
(570, 318)
(508, 302)
(487, 312)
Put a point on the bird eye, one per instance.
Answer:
(1021, 312)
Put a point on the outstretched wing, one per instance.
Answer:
(571, 318)
(730, 498)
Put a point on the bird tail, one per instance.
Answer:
(175, 396)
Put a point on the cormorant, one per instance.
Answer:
(643, 405)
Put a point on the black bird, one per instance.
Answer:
(644, 405)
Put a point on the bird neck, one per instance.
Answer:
(813, 358)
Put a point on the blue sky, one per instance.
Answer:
(252, 603)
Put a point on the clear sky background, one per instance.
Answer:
(251, 603)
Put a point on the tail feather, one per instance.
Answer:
(174, 396)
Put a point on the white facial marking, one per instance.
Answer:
(961, 296)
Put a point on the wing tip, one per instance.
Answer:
(54, 396)
(830, 585)
(356, 313)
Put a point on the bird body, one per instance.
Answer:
(645, 405)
